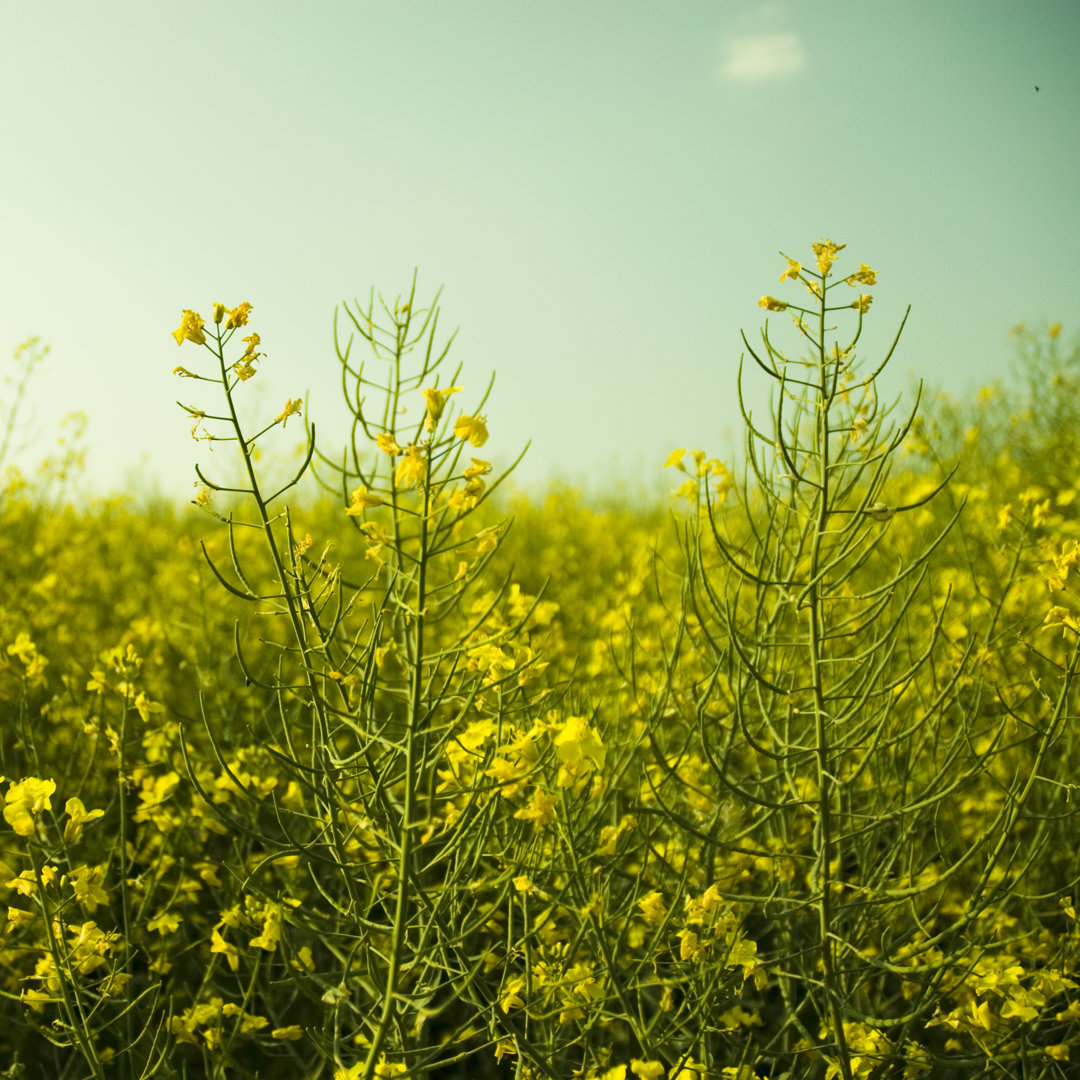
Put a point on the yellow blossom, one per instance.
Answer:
(292, 1032)
(505, 1048)
(744, 954)
(1053, 331)
(23, 800)
(292, 408)
(362, 499)
(388, 444)
(219, 945)
(472, 428)
(88, 884)
(980, 1015)
(652, 907)
(511, 998)
(271, 931)
(25, 884)
(863, 276)
(862, 305)
(190, 329)
(688, 490)
(390, 1068)
(770, 303)
(540, 811)
(474, 485)
(674, 459)
(689, 945)
(508, 775)
(238, 316)
(647, 1070)
(219, 313)
(579, 749)
(164, 922)
(1063, 563)
(793, 270)
(97, 682)
(24, 648)
(487, 540)
(435, 401)
(826, 252)
(77, 819)
(145, 707)
(1055, 617)
(412, 468)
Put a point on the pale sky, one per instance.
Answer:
(601, 188)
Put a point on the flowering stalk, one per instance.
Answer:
(794, 583)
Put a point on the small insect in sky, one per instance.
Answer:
(1036, 89)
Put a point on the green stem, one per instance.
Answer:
(825, 780)
(405, 848)
(69, 995)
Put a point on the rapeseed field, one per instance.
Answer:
(364, 766)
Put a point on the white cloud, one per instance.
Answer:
(763, 57)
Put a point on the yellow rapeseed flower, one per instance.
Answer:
(412, 468)
(580, 750)
(77, 819)
(190, 328)
(540, 811)
(238, 316)
(1055, 617)
(980, 1015)
(826, 252)
(165, 922)
(435, 400)
(770, 303)
(24, 648)
(361, 500)
(472, 428)
(793, 270)
(652, 907)
(390, 1068)
(388, 444)
(292, 408)
(23, 800)
(292, 1032)
(863, 276)
(219, 945)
